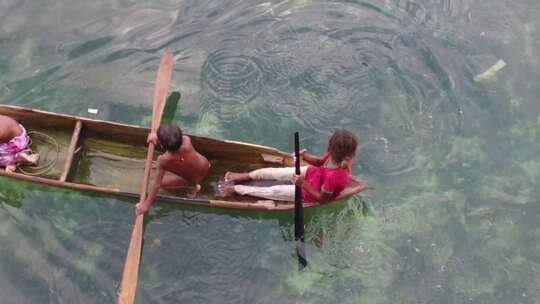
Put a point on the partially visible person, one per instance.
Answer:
(13, 142)
(180, 167)
(322, 181)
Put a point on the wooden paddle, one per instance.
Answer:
(130, 276)
(299, 211)
(170, 108)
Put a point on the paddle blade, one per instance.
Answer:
(170, 107)
(163, 80)
(301, 254)
(130, 276)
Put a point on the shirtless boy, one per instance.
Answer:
(180, 167)
(13, 141)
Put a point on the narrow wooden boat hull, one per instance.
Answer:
(107, 157)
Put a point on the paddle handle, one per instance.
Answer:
(147, 169)
(299, 210)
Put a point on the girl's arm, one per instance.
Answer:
(156, 184)
(321, 197)
(311, 159)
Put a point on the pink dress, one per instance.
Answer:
(331, 180)
(11, 149)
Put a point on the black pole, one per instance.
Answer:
(299, 211)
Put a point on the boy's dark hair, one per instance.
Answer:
(342, 144)
(170, 137)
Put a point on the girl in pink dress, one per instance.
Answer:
(13, 142)
(322, 181)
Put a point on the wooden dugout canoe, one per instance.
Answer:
(108, 157)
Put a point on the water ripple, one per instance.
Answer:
(224, 259)
(61, 257)
(231, 77)
(346, 70)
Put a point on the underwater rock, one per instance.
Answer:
(156, 244)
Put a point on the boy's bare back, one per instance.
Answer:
(188, 167)
(186, 162)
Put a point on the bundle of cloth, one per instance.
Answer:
(14, 142)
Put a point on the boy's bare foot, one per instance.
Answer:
(236, 177)
(193, 193)
(11, 168)
(226, 189)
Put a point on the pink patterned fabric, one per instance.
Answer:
(325, 179)
(11, 149)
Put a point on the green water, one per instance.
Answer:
(450, 141)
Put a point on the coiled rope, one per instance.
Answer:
(51, 146)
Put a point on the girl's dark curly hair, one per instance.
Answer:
(342, 147)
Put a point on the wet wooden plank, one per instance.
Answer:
(71, 150)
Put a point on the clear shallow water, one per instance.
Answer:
(453, 219)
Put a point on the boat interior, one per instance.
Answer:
(111, 155)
